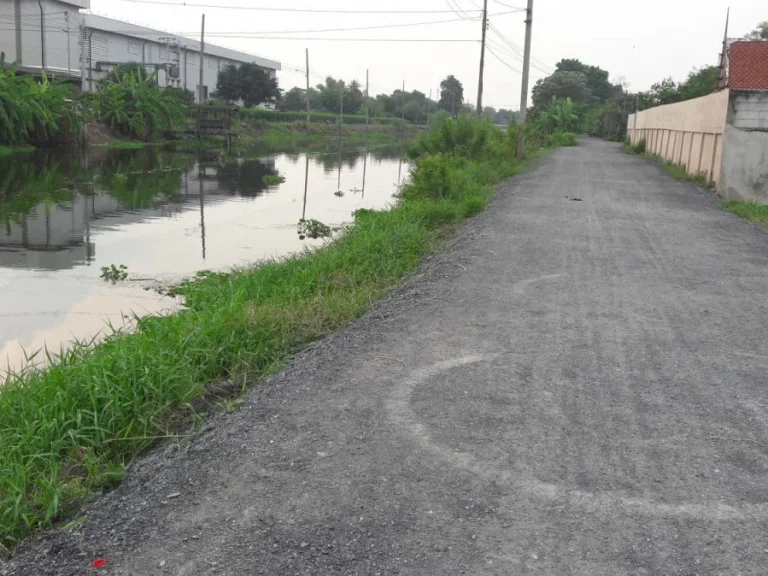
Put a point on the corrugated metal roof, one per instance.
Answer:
(132, 30)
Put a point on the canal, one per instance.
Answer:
(163, 215)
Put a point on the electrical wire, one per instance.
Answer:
(502, 61)
(456, 9)
(508, 6)
(273, 9)
(535, 62)
(262, 33)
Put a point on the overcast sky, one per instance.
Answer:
(641, 44)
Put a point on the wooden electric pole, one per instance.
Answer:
(482, 61)
(524, 88)
(309, 109)
(202, 57)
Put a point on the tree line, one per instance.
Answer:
(251, 86)
(579, 97)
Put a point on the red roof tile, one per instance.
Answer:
(748, 65)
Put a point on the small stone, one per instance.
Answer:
(174, 495)
(161, 564)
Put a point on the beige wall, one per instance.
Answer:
(688, 133)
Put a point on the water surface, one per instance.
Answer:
(164, 215)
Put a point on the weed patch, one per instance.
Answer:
(757, 213)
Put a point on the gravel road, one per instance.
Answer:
(570, 387)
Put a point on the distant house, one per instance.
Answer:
(108, 42)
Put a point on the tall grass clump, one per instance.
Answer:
(69, 430)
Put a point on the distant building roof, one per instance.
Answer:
(127, 29)
(748, 65)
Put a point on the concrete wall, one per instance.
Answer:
(688, 133)
(745, 150)
(61, 22)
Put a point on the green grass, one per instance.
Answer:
(678, 171)
(68, 431)
(757, 213)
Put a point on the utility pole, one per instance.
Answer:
(524, 89)
(429, 106)
(341, 107)
(82, 53)
(309, 109)
(17, 20)
(403, 103)
(202, 56)
(69, 49)
(482, 61)
(42, 35)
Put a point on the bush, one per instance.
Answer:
(138, 108)
(463, 136)
(640, 147)
(563, 139)
(40, 113)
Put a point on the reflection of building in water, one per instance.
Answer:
(57, 236)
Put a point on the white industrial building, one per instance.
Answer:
(47, 34)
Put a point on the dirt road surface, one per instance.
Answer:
(571, 387)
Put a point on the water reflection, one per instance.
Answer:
(164, 215)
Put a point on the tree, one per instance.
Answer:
(759, 33)
(295, 100)
(700, 82)
(664, 92)
(247, 83)
(330, 94)
(597, 79)
(353, 98)
(562, 84)
(451, 95)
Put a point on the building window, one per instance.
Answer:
(134, 46)
(191, 57)
(99, 48)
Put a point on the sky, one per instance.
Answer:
(638, 43)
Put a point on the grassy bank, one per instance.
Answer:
(68, 431)
(281, 136)
(757, 213)
(678, 171)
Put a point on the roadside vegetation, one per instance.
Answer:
(69, 430)
(679, 171)
(757, 213)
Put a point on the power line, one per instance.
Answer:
(354, 29)
(536, 63)
(508, 6)
(273, 9)
(456, 9)
(502, 61)
(458, 40)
